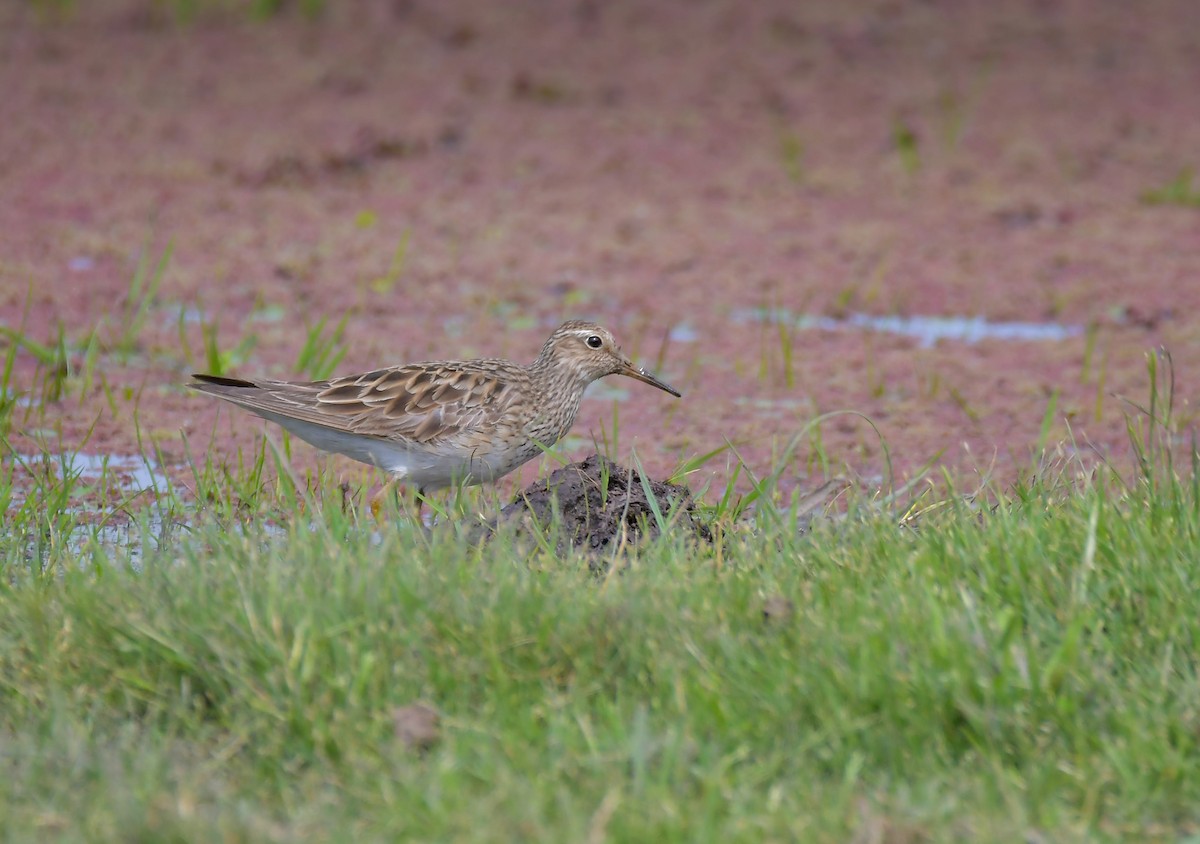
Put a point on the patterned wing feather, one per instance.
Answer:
(421, 403)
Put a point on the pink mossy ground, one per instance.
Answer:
(661, 167)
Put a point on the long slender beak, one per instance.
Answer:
(649, 378)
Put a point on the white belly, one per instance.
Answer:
(423, 468)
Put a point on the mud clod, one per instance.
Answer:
(598, 504)
(778, 609)
(417, 726)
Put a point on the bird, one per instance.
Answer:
(436, 424)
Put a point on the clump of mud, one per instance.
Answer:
(599, 505)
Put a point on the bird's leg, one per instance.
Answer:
(400, 498)
(379, 499)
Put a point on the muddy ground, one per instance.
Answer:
(454, 178)
(600, 507)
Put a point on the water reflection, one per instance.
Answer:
(927, 330)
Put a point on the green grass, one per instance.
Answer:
(987, 673)
(139, 301)
(321, 354)
(218, 360)
(1002, 665)
(791, 153)
(186, 11)
(907, 145)
(1179, 191)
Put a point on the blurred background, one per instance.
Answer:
(970, 221)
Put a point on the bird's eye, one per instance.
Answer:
(594, 341)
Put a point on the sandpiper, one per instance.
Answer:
(436, 424)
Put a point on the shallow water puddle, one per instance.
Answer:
(91, 524)
(927, 330)
(128, 471)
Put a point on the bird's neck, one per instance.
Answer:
(560, 391)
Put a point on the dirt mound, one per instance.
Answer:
(600, 504)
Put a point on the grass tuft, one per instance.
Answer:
(985, 666)
(907, 145)
(322, 353)
(1179, 191)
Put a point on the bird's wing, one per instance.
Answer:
(420, 403)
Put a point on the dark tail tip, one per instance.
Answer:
(222, 381)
